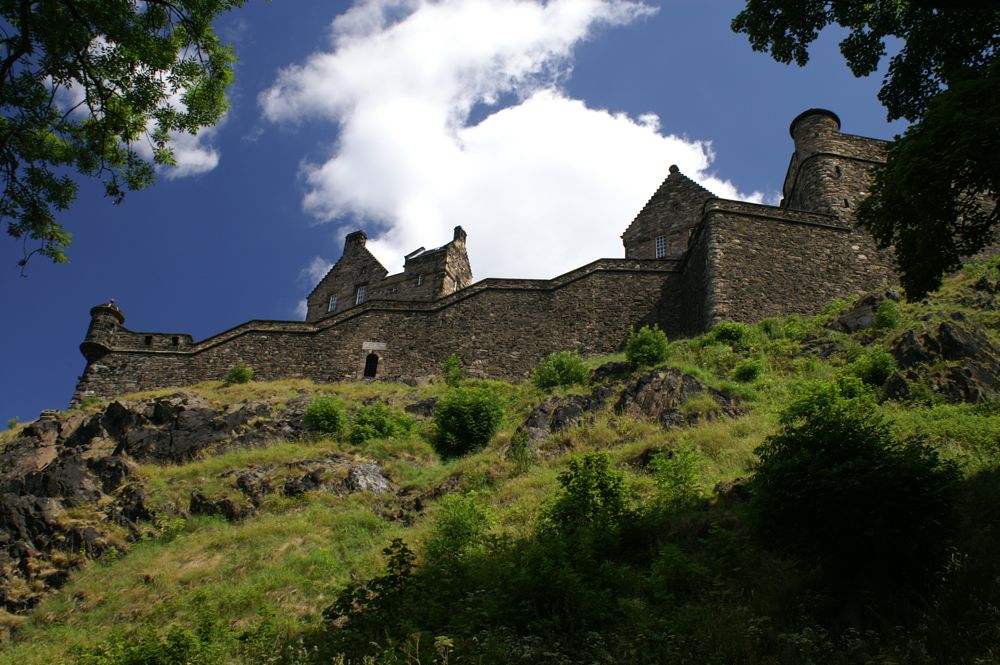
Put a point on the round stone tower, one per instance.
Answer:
(813, 180)
(104, 322)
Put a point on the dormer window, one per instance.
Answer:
(333, 304)
(661, 246)
(360, 297)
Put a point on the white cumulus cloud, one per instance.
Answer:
(450, 112)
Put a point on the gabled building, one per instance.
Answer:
(358, 276)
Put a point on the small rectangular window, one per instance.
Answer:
(360, 298)
(333, 304)
(661, 246)
(420, 280)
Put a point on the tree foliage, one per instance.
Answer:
(96, 87)
(835, 487)
(935, 199)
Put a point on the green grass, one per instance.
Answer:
(293, 556)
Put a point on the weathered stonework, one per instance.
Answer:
(718, 260)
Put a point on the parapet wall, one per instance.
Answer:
(499, 328)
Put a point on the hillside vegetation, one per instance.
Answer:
(802, 490)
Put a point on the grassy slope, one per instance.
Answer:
(295, 554)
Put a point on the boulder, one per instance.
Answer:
(422, 408)
(226, 507)
(861, 315)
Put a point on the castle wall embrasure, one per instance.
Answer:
(498, 328)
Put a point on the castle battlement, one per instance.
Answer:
(691, 261)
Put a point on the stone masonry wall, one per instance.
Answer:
(498, 328)
(763, 261)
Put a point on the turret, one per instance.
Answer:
(104, 322)
(812, 182)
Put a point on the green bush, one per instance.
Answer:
(378, 421)
(834, 487)
(466, 419)
(239, 373)
(452, 371)
(594, 494)
(887, 315)
(676, 475)
(460, 527)
(773, 327)
(736, 335)
(325, 415)
(748, 370)
(873, 366)
(562, 368)
(646, 347)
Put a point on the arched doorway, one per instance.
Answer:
(371, 366)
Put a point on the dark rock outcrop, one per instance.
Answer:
(557, 413)
(87, 461)
(957, 363)
(861, 315)
(665, 396)
(231, 510)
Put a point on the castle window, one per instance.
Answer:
(177, 341)
(149, 340)
(837, 170)
(420, 280)
(661, 246)
(360, 297)
(333, 304)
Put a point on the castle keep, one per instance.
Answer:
(691, 261)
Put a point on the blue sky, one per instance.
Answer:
(542, 128)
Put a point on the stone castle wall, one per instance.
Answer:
(726, 260)
(761, 261)
(498, 328)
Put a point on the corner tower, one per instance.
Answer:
(105, 320)
(829, 172)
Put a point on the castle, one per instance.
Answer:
(691, 261)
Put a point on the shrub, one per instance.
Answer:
(594, 494)
(773, 328)
(239, 373)
(452, 371)
(12, 423)
(736, 335)
(646, 347)
(748, 370)
(460, 527)
(519, 452)
(873, 366)
(562, 368)
(834, 487)
(676, 475)
(325, 415)
(378, 421)
(887, 315)
(466, 419)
